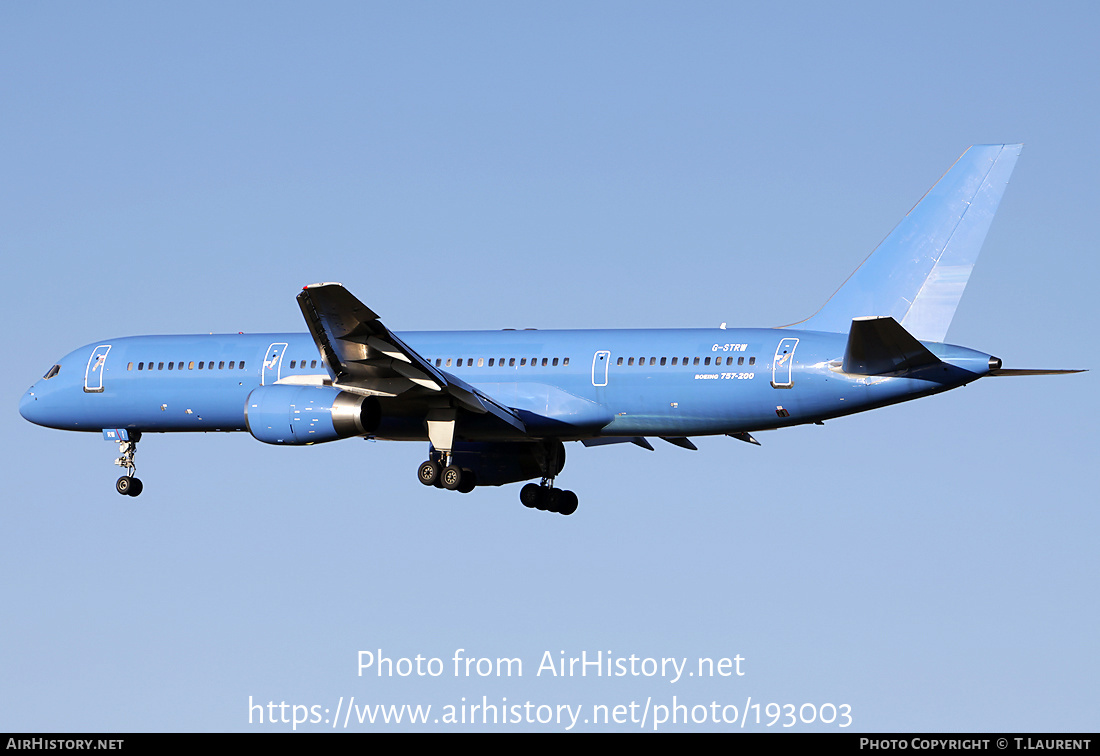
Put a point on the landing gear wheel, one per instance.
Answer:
(428, 472)
(451, 477)
(124, 485)
(469, 481)
(568, 503)
(530, 494)
(135, 487)
(550, 498)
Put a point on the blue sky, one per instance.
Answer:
(486, 165)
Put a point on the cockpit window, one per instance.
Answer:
(53, 371)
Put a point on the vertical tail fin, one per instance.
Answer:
(918, 273)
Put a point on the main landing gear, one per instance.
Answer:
(440, 473)
(543, 496)
(546, 498)
(128, 485)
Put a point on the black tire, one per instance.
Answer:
(568, 503)
(529, 495)
(124, 484)
(552, 500)
(469, 481)
(546, 499)
(428, 473)
(136, 487)
(451, 477)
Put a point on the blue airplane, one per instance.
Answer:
(497, 406)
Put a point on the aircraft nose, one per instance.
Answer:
(29, 407)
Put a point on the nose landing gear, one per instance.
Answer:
(128, 485)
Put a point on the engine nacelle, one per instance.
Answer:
(299, 415)
(497, 464)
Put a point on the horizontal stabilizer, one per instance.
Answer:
(879, 346)
(1025, 371)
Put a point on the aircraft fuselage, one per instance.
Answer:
(564, 384)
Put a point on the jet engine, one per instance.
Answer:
(300, 415)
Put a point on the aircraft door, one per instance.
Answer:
(273, 363)
(600, 361)
(781, 365)
(93, 374)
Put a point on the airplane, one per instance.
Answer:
(496, 407)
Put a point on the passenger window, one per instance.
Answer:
(630, 361)
(221, 365)
(652, 360)
(695, 361)
(512, 362)
(565, 362)
(141, 366)
(663, 360)
(438, 361)
(752, 360)
(160, 366)
(170, 364)
(492, 361)
(191, 365)
(544, 361)
(523, 361)
(481, 362)
(292, 364)
(240, 365)
(706, 361)
(620, 362)
(740, 360)
(555, 364)
(232, 363)
(313, 363)
(674, 360)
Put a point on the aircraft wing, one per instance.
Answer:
(364, 355)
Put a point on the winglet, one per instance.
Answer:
(918, 273)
